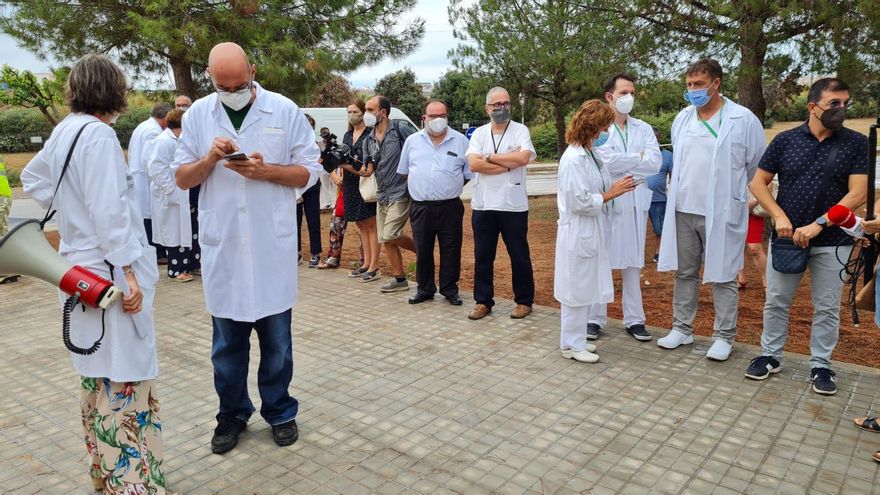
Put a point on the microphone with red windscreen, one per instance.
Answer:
(847, 220)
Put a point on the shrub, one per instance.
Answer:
(23, 121)
(544, 139)
(14, 177)
(663, 122)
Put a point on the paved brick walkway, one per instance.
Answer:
(418, 399)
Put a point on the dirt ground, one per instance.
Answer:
(856, 345)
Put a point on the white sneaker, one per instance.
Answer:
(719, 351)
(674, 339)
(584, 356)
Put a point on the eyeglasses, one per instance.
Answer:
(437, 116)
(182, 107)
(499, 105)
(243, 87)
(839, 103)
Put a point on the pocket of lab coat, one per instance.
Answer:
(587, 242)
(284, 218)
(208, 228)
(737, 212)
(272, 148)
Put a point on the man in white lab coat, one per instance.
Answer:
(631, 150)
(247, 231)
(138, 158)
(717, 145)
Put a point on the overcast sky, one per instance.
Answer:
(429, 61)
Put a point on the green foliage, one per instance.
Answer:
(795, 110)
(14, 177)
(296, 46)
(22, 89)
(663, 122)
(400, 87)
(544, 140)
(465, 95)
(336, 92)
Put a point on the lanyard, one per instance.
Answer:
(624, 136)
(706, 122)
(596, 163)
(497, 146)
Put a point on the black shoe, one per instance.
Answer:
(314, 261)
(823, 381)
(593, 331)
(639, 333)
(656, 258)
(420, 298)
(286, 433)
(454, 300)
(761, 367)
(226, 434)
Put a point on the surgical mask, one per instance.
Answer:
(602, 139)
(624, 104)
(236, 100)
(114, 118)
(500, 115)
(437, 126)
(370, 119)
(355, 119)
(833, 118)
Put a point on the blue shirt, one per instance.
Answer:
(801, 163)
(657, 182)
(390, 187)
(435, 174)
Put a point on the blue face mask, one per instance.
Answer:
(602, 139)
(697, 97)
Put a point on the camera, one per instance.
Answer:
(333, 154)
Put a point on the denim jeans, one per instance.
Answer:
(230, 353)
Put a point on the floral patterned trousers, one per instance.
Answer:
(123, 436)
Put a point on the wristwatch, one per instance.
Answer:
(822, 222)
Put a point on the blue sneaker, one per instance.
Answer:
(761, 367)
(823, 381)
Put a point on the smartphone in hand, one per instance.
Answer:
(238, 156)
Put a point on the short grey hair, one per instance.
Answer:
(494, 91)
(96, 85)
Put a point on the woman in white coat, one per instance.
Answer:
(582, 275)
(102, 230)
(170, 204)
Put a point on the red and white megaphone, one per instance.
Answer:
(24, 250)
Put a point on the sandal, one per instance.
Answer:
(330, 263)
(868, 424)
(183, 278)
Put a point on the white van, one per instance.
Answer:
(336, 119)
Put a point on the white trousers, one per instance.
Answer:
(573, 327)
(633, 311)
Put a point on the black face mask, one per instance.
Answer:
(833, 118)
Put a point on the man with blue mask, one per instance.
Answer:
(631, 150)
(717, 146)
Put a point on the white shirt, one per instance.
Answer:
(696, 158)
(247, 228)
(435, 173)
(98, 220)
(138, 156)
(506, 191)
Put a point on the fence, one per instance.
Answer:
(33, 142)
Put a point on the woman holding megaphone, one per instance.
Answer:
(102, 231)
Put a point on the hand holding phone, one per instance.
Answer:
(236, 156)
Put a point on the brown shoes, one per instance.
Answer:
(479, 311)
(521, 311)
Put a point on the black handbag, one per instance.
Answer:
(788, 257)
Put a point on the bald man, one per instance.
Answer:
(251, 149)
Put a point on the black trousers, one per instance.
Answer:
(514, 229)
(311, 206)
(161, 252)
(440, 220)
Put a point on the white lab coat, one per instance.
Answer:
(98, 220)
(247, 228)
(172, 226)
(582, 273)
(628, 215)
(138, 156)
(738, 150)
(328, 191)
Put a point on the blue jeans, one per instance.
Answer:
(230, 354)
(656, 212)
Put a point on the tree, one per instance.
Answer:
(400, 87)
(557, 51)
(336, 92)
(464, 95)
(24, 90)
(747, 32)
(295, 45)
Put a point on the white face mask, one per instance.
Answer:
(236, 100)
(114, 118)
(437, 126)
(370, 119)
(624, 104)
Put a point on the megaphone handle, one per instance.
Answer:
(69, 305)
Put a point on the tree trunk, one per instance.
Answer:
(183, 79)
(753, 51)
(560, 129)
(53, 121)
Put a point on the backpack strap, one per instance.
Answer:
(50, 212)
